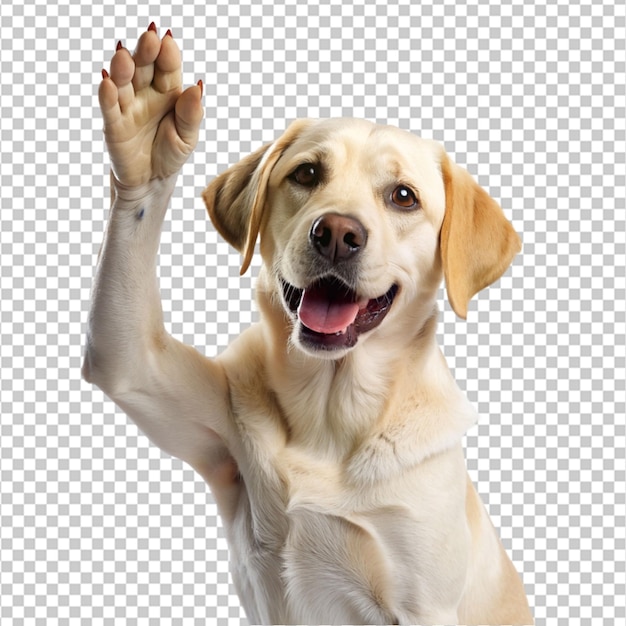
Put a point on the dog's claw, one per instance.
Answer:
(152, 27)
(105, 74)
(169, 33)
(119, 46)
(201, 85)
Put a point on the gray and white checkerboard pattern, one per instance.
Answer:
(97, 526)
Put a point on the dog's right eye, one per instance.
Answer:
(306, 174)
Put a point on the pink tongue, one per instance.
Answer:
(324, 311)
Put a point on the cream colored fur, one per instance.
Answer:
(340, 476)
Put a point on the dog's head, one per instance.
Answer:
(358, 224)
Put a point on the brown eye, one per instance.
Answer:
(404, 197)
(307, 175)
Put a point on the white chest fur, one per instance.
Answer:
(309, 546)
(349, 532)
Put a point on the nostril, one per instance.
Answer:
(353, 236)
(320, 234)
(352, 240)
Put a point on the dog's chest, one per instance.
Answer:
(307, 544)
(300, 536)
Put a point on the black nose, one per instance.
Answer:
(338, 237)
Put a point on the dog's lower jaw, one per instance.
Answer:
(321, 342)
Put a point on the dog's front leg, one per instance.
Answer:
(176, 396)
(125, 320)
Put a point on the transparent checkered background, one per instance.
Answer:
(99, 527)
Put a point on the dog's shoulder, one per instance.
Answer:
(254, 405)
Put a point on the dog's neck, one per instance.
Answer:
(328, 405)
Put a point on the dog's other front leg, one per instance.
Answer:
(176, 396)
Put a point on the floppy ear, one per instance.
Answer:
(236, 198)
(478, 243)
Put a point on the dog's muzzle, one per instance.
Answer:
(330, 313)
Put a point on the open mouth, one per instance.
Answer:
(332, 316)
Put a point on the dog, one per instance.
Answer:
(329, 432)
(361, 450)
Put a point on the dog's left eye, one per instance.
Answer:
(307, 175)
(404, 197)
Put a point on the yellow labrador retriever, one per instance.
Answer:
(330, 432)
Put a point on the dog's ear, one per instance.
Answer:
(236, 198)
(478, 243)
